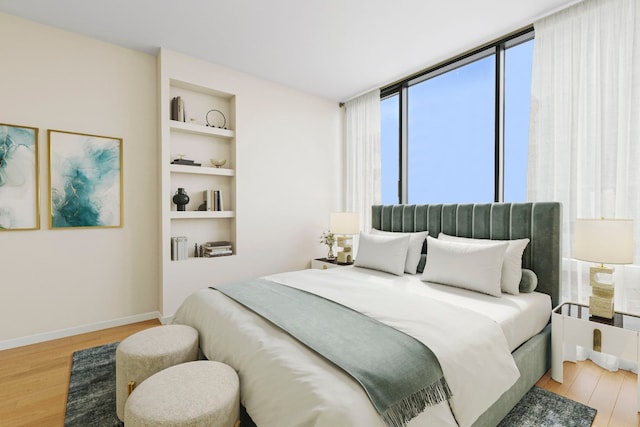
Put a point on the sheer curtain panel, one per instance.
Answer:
(584, 141)
(363, 165)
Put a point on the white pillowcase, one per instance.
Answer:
(465, 265)
(416, 241)
(512, 266)
(384, 253)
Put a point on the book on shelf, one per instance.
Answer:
(174, 108)
(219, 248)
(185, 162)
(206, 198)
(217, 252)
(179, 249)
(177, 109)
(217, 201)
(219, 243)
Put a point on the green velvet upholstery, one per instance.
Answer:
(540, 222)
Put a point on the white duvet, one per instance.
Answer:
(283, 384)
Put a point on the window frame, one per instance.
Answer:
(401, 89)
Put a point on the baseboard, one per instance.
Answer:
(62, 333)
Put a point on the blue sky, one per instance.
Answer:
(451, 133)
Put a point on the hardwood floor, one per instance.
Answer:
(34, 381)
(613, 394)
(34, 378)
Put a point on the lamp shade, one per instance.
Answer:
(606, 241)
(345, 223)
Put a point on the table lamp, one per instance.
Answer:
(345, 225)
(604, 241)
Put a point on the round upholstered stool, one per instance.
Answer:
(195, 394)
(146, 352)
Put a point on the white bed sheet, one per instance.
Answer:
(520, 316)
(324, 395)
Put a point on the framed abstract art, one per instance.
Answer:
(19, 189)
(85, 180)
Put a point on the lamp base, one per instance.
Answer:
(601, 300)
(601, 307)
(345, 256)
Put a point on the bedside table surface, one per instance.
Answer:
(332, 261)
(581, 311)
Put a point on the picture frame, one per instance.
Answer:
(19, 178)
(85, 181)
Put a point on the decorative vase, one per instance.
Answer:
(181, 198)
(330, 255)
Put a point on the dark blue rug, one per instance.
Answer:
(541, 408)
(92, 388)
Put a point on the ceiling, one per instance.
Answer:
(336, 49)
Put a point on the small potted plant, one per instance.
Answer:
(328, 238)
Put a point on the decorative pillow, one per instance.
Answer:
(416, 240)
(529, 281)
(512, 266)
(422, 263)
(384, 253)
(465, 265)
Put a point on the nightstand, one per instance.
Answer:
(571, 324)
(324, 264)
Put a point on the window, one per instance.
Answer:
(459, 133)
(389, 153)
(517, 92)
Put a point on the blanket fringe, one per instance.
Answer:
(404, 411)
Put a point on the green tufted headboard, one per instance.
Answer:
(540, 222)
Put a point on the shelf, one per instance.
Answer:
(198, 88)
(201, 214)
(200, 170)
(196, 259)
(200, 129)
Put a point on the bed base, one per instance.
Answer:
(533, 359)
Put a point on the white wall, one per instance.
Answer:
(57, 279)
(289, 180)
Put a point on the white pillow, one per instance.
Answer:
(465, 265)
(512, 266)
(384, 253)
(416, 241)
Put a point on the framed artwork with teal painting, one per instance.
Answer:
(85, 180)
(19, 189)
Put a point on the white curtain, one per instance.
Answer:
(585, 131)
(363, 164)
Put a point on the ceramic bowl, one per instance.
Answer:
(218, 162)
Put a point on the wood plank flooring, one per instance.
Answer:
(613, 394)
(34, 381)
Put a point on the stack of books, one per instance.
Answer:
(185, 162)
(219, 248)
(212, 200)
(179, 248)
(177, 109)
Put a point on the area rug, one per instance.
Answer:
(541, 408)
(92, 388)
(92, 398)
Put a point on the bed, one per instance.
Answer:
(283, 383)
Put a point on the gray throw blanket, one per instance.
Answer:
(400, 375)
